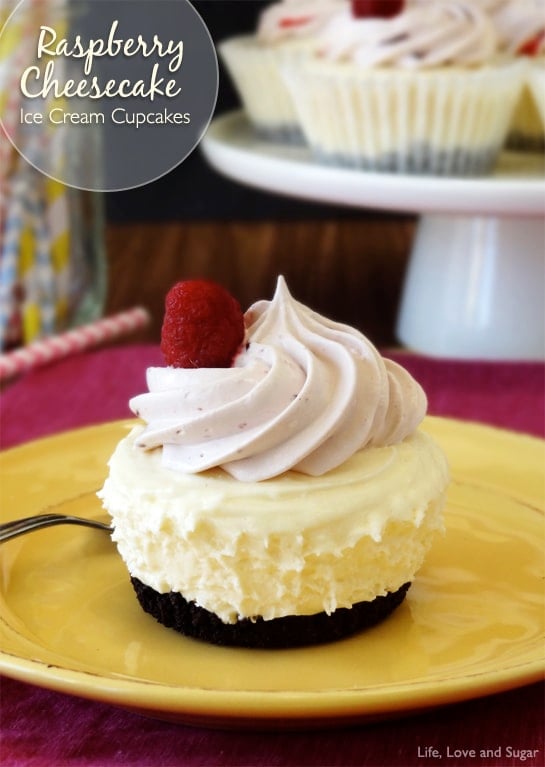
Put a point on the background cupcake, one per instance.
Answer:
(536, 85)
(285, 32)
(420, 91)
(520, 26)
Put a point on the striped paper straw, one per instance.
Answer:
(9, 263)
(11, 92)
(58, 225)
(43, 284)
(73, 341)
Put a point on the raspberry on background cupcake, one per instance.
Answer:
(417, 90)
(286, 30)
(288, 496)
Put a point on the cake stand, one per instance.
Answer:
(475, 283)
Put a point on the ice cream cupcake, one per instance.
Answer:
(521, 30)
(536, 85)
(287, 499)
(285, 32)
(417, 91)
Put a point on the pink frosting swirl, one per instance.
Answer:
(291, 19)
(518, 23)
(423, 35)
(305, 394)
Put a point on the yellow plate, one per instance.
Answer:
(472, 623)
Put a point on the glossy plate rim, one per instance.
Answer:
(261, 708)
(286, 708)
(232, 148)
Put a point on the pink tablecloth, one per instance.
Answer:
(43, 728)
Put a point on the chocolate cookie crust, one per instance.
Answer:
(173, 611)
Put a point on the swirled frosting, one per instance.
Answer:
(518, 22)
(305, 393)
(289, 19)
(423, 35)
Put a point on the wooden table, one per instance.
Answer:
(350, 270)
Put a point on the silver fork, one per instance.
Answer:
(17, 527)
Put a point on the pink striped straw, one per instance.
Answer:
(73, 341)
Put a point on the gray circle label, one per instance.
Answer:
(107, 95)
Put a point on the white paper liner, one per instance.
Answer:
(526, 132)
(536, 86)
(447, 121)
(255, 69)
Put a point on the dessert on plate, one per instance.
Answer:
(411, 87)
(285, 32)
(278, 490)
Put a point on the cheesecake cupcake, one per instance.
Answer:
(286, 498)
(420, 90)
(536, 85)
(285, 32)
(521, 30)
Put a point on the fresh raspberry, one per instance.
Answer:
(292, 22)
(203, 325)
(531, 47)
(383, 9)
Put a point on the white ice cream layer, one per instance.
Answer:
(289, 545)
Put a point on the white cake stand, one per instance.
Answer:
(475, 285)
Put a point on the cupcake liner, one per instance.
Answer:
(526, 130)
(255, 69)
(440, 122)
(535, 84)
